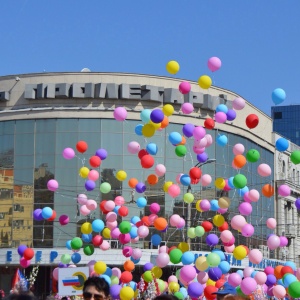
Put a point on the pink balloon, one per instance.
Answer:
(234, 279)
(124, 238)
(111, 216)
(271, 223)
(116, 272)
(247, 230)
(135, 240)
(152, 218)
(260, 278)
(220, 117)
(202, 277)
(279, 291)
(234, 166)
(64, 220)
(283, 241)
(222, 210)
(119, 200)
(238, 103)
(136, 253)
(214, 63)
(91, 204)
(181, 223)
(209, 139)
(84, 210)
(237, 222)
(163, 249)
(82, 199)
(229, 249)
(143, 231)
(273, 242)
(229, 243)
(201, 143)
(133, 147)
(184, 88)
(154, 208)
(226, 236)
(284, 190)
(187, 108)
(245, 209)
(187, 273)
(162, 260)
(199, 132)
(174, 220)
(115, 233)
(298, 274)
(254, 195)
(255, 256)
(172, 278)
(109, 205)
(127, 251)
(178, 178)
(68, 153)
(206, 180)
(174, 190)
(226, 187)
(24, 262)
(112, 225)
(264, 170)
(248, 271)
(160, 170)
(238, 149)
(55, 274)
(198, 150)
(105, 245)
(120, 113)
(52, 185)
(248, 285)
(93, 175)
(247, 198)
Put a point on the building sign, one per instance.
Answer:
(124, 91)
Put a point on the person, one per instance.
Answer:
(96, 288)
(225, 289)
(165, 297)
(236, 297)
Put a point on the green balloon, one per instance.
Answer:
(65, 258)
(294, 289)
(105, 187)
(114, 280)
(125, 227)
(180, 150)
(252, 155)
(295, 157)
(239, 181)
(76, 243)
(188, 197)
(191, 233)
(239, 291)
(148, 276)
(161, 285)
(213, 259)
(88, 250)
(199, 231)
(179, 295)
(177, 273)
(175, 256)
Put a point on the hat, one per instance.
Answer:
(226, 289)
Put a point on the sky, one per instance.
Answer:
(257, 41)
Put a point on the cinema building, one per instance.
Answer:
(42, 114)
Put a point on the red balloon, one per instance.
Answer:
(225, 226)
(123, 211)
(252, 121)
(147, 161)
(207, 226)
(97, 240)
(81, 146)
(95, 161)
(209, 123)
(194, 181)
(195, 173)
(246, 248)
(208, 292)
(220, 283)
(52, 218)
(286, 269)
(28, 254)
(126, 277)
(171, 248)
(145, 221)
(102, 207)
(142, 152)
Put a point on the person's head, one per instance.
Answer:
(224, 290)
(165, 297)
(96, 288)
(236, 297)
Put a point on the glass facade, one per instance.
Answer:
(31, 155)
(286, 122)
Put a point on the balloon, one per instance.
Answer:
(209, 123)
(187, 273)
(248, 285)
(102, 153)
(162, 260)
(278, 96)
(81, 146)
(180, 150)
(120, 113)
(93, 175)
(64, 220)
(238, 103)
(273, 242)
(253, 155)
(212, 240)
(24, 263)
(222, 140)
(245, 208)
(37, 214)
(126, 293)
(195, 289)
(168, 109)
(47, 212)
(148, 130)
(255, 256)
(187, 108)
(239, 161)
(231, 115)
(295, 157)
(156, 116)
(267, 190)
(105, 187)
(95, 161)
(205, 82)
(206, 180)
(271, 223)
(252, 121)
(213, 259)
(264, 170)
(172, 67)
(152, 148)
(279, 291)
(214, 64)
(68, 153)
(121, 175)
(239, 252)
(224, 202)
(147, 161)
(28, 253)
(284, 190)
(220, 117)
(234, 279)
(52, 185)
(239, 181)
(237, 222)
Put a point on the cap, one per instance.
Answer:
(226, 289)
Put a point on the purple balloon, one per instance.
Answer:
(37, 214)
(202, 157)
(90, 185)
(215, 273)
(231, 115)
(212, 239)
(148, 266)
(21, 249)
(297, 203)
(157, 116)
(102, 153)
(188, 129)
(61, 265)
(271, 280)
(195, 289)
(140, 187)
(115, 291)
(283, 241)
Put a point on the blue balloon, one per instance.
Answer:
(220, 253)
(116, 209)
(141, 202)
(188, 258)
(76, 258)
(224, 266)
(97, 225)
(107, 279)
(243, 191)
(288, 279)
(47, 212)
(135, 261)
(133, 232)
(135, 219)
(86, 237)
(184, 292)
(156, 239)
(282, 144)
(278, 96)
(175, 138)
(152, 148)
(222, 140)
(253, 274)
(280, 282)
(214, 205)
(222, 108)
(145, 115)
(138, 129)
(290, 264)
(108, 272)
(240, 272)
(230, 182)
(185, 180)
(133, 285)
(68, 245)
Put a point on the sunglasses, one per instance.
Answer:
(87, 295)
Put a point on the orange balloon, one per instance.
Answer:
(128, 265)
(267, 190)
(239, 161)
(160, 223)
(165, 122)
(132, 182)
(152, 179)
(277, 271)
(183, 141)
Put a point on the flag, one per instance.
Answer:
(19, 282)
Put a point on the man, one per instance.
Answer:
(96, 288)
(224, 290)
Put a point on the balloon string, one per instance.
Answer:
(58, 238)
(171, 235)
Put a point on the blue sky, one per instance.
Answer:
(257, 41)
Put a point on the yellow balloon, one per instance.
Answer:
(84, 172)
(155, 125)
(86, 228)
(218, 220)
(239, 252)
(183, 246)
(220, 183)
(205, 82)
(157, 271)
(198, 206)
(201, 263)
(136, 293)
(168, 110)
(148, 130)
(126, 293)
(173, 287)
(224, 202)
(210, 282)
(166, 186)
(100, 267)
(106, 233)
(121, 175)
(172, 67)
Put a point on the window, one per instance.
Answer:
(283, 166)
(278, 115)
